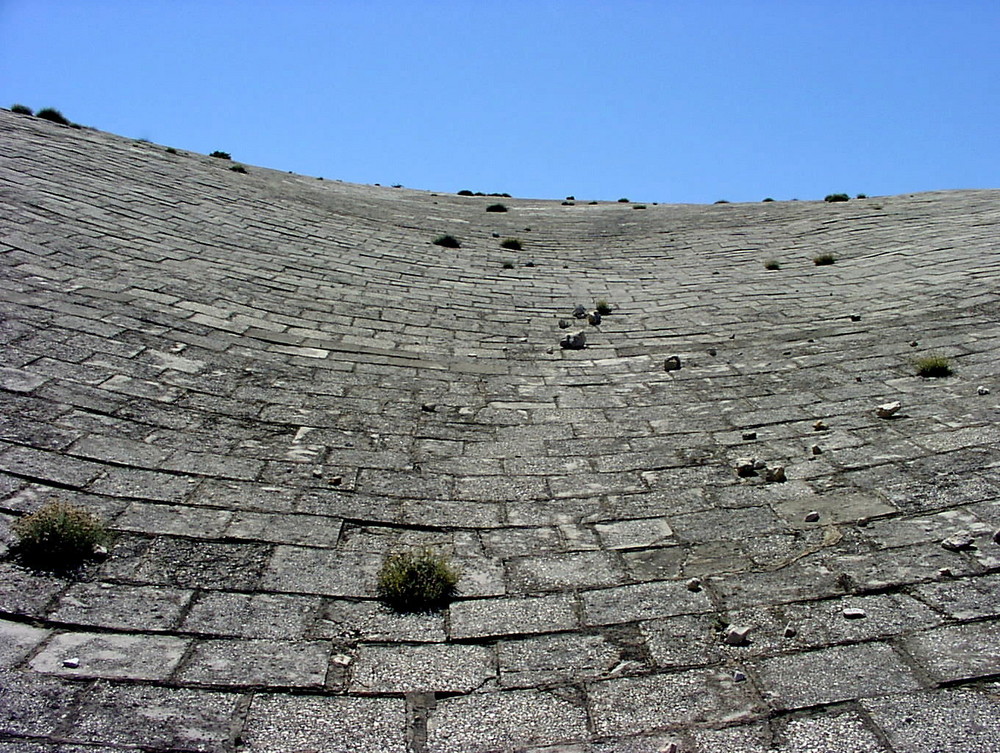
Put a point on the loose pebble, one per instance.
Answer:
(672, 364)
(790, 631)
(816, 449)
(737, 635)
(853, 613)
(694, 584)
(812, 516)
(776, 474)
(959, 542)
(574, 342)
(739, 676)
(888, 410)
(749, 435)
(983, 390)
(819, 426)
(73, 663)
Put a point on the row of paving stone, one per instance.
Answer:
(265, 383)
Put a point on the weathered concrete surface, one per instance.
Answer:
(265, 382)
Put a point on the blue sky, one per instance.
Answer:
(656, 101)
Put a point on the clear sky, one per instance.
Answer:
(664, 101)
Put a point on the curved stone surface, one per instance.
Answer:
(266, 382)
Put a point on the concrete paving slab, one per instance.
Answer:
(557, 659)
(261, 615)
(256, 662)
(944, 721)
(642, 601)
(434, 668)
(829, 675)
(125, 657)
(505, 721)
(142, 715)
(629, 705)
(113, 605)
(958, 652)
(279, 723)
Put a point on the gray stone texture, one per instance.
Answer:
(264, 384)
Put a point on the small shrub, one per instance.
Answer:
(221, 155)
(239, 169)
(569, 203)
(570, 198)
(638, 206)
(496, 208)
(448, 241)
(722, 201)
(171, 150)
(933, 366)
(22, 110)
(603, 307)
(58, 536)
(623, 201)
(50, 113)
(512, 244)
(823, 259)
(772, 264)
(768, 199)
(837, 197)
(861, 196)
(508, 265)
(465, 192)
(419, 581)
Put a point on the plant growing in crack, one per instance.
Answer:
(59, 536)
(417, 581)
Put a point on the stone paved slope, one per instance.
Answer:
(266, 382)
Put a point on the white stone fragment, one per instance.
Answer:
(71, 663)
(736, 635)
(983, 390)
(853, 613)
(342, 659)
(888, 410)
(959, 541)
(812, 517)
